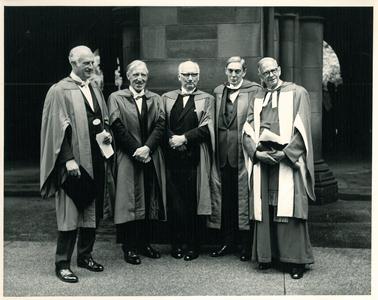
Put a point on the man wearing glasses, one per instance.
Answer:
(229, 177)
(188, 143)
(278, 143)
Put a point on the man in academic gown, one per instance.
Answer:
(229, 174)
(137, 121)
(189, 140)
(68, 140)
(279, 157)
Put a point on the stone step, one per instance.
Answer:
(340, 235)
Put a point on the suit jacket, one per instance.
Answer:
(246, 94)
(228, 133)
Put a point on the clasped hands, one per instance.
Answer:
(178, 142)
(142, 154)
(270, 157)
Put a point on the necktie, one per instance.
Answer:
(144, 118)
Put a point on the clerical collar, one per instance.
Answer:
(135, 93)
(234, 87)
(78, 79)
(185, 92)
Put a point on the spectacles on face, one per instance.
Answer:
(273, 71)
(187, 75)
(237, 71)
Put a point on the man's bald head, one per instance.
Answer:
(188, 75)
(81, 59)
(188, 65)
(266, 60)
(269, 72)
(77, 52)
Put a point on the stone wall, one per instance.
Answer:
(207, 35)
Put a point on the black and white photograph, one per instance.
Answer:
(191, 149)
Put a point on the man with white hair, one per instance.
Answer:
(137, 121)
(74, 112)
(189, 144)
(278, 147)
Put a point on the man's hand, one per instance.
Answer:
(264, 157)
(72, 168)
(277, 155)
(177, 141)
(107, 139)
(142, 154)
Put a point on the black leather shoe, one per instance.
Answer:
(66, 275)
(264, 266)
(190, 255)
(245, 256)
(223, 250)
(132, 258)
(149, 252)
(177, 252)
(296, 272)
(89, 264)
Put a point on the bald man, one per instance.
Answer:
(278, 147)
(188, 144)
(74, 111)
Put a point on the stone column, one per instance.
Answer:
(287, 46)
(311, 33)
(126, 19)
(277, 36)
(270, 32)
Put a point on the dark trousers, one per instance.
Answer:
(133, 235)
(136, 234)
(182, 205)
(230, 209)
(66, 244)
(86, 236)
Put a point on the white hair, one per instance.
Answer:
(187, 63)
(264, 59)
(76, 52)
(134, 64)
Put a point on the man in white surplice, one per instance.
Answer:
(279, 157)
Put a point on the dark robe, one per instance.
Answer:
(231, 133)
(67, 116)
(182, 171)
(140, 192)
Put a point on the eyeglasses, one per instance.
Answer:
(237, 71)
(187, 75)
(273, 71)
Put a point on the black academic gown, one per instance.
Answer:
(182, 173)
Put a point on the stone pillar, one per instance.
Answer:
(127, 21)
(287, 46)
(277, 36)
(270, 33)
(311, 33)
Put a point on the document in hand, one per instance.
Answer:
(106, 150)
